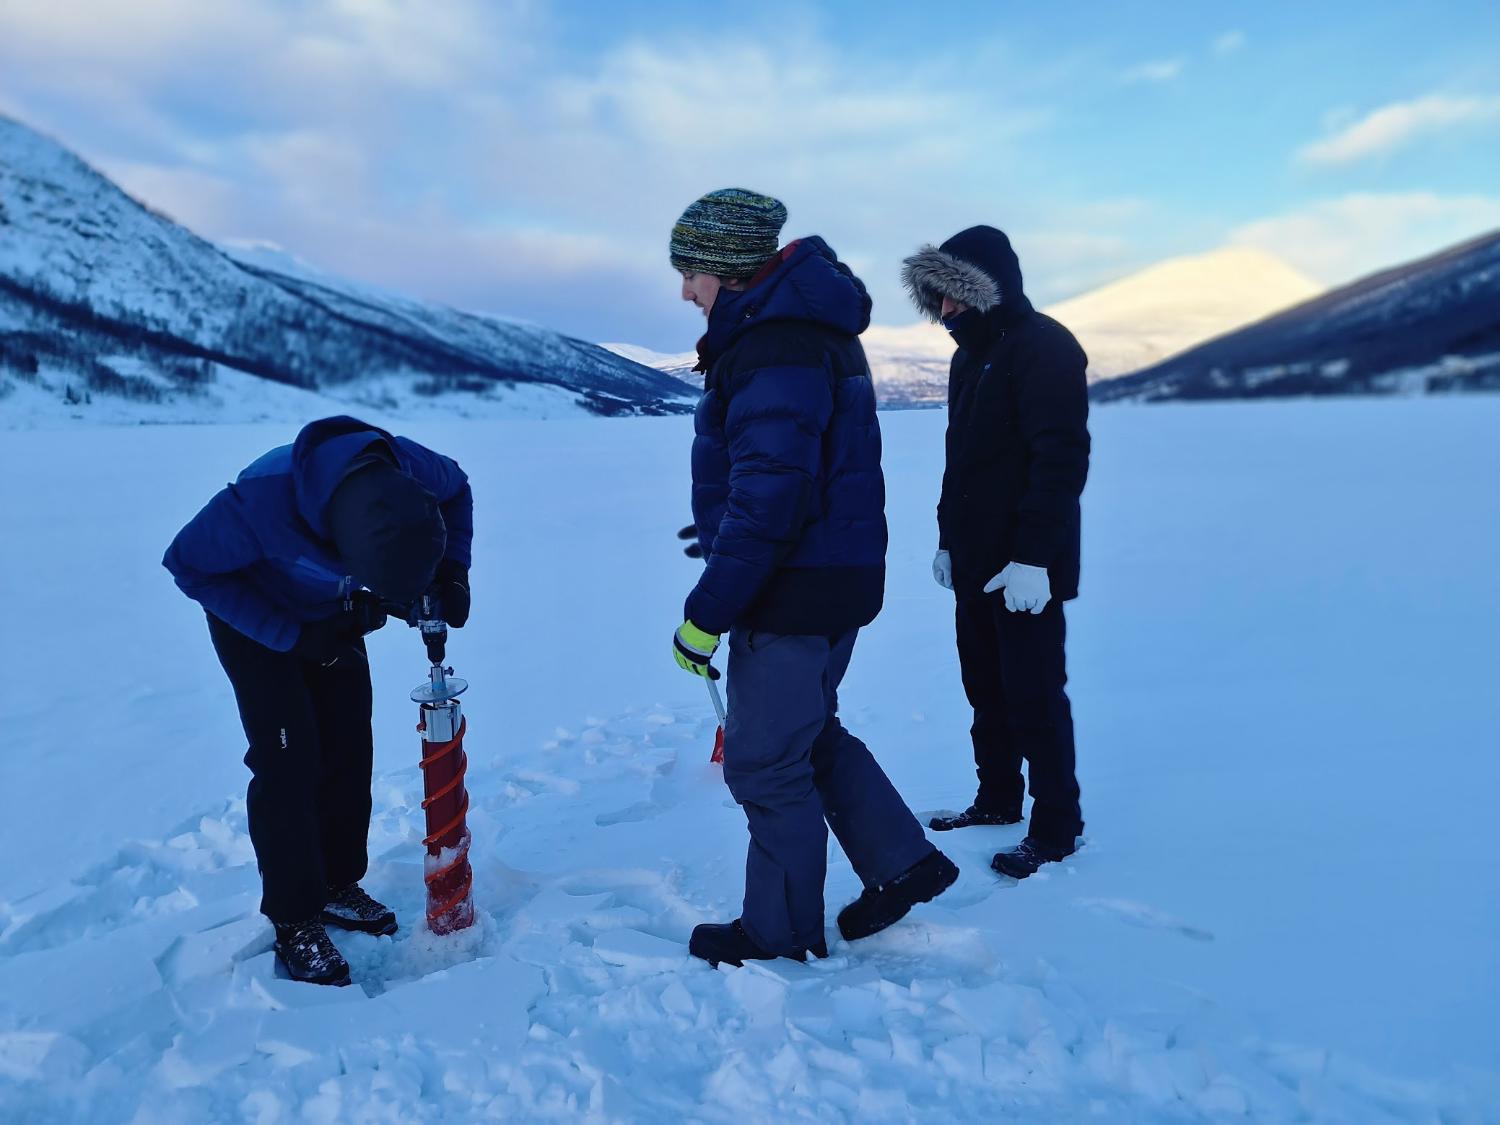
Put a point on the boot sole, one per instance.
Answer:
(997, 866)
(935, 826)
(885, 925)
(327, 982)
(382, 929)
(821, 953)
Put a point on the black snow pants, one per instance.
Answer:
(1015, 675)
(310, 757)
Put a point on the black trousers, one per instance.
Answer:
(310, 757)
(1015, 675)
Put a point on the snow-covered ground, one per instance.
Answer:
(1284, 677)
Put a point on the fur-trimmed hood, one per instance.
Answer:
(976, 266)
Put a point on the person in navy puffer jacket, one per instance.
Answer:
(789, 505)
(293, 564)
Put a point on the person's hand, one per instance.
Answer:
(1027, 588)
(693, 649)
(689, 535)
(942, 569)
(366, 613)
(450, 588)
(323, 642)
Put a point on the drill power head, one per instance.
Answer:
(435, 637)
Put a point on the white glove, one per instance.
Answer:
(942, 569)
(1026, 587)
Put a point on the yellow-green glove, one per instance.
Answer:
(692, 648)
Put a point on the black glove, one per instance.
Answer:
(693, 550)
(323, 642)
(366, 612)
(451, 589)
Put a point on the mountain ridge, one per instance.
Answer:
(102, 294)
(1428, 325)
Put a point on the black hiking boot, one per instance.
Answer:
(974, 815)
(308, 955)
(727, 943)
(885, 905)
(349, 908)
(1023, 860)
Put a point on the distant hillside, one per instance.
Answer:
(1427, 326)
(1173, 305)
(112, 311)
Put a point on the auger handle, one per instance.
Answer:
(718, 700)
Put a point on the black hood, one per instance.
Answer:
(387, 528)
(976, 266)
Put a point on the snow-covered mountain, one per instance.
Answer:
(909, 363)
(679, 364)
(110, 310)
(1171, 306)
(1428, 325)
(1124, 326)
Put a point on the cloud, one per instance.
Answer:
(1393, 126)
(459, 153)
(408, 43)
(1160, 70)
(197, 199)
(1229, 43)
(1338, 240)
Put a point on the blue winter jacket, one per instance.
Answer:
(258, 555)
(788, 495)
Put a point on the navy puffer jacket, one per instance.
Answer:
(259, 556)
(788, 494)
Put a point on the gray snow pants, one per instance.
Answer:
(797, 772)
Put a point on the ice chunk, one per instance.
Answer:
(640, 952)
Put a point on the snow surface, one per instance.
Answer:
(1124, 326)
(1283, 674)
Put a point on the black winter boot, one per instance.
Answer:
(308, 955)
(1023, 860)
(349, 908)
(885, 905)
(974, 815)
(729, 944)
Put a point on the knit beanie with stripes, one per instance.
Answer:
(728, 233)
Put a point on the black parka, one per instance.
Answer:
(1018, 440)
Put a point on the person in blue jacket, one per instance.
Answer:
(789, 506)
(294, 563)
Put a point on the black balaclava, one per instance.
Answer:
(387, 529)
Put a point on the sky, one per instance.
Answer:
(529, 158)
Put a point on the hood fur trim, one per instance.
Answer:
(932, 274)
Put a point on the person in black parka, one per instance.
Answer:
(1008, 531)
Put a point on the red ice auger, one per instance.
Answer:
(718, 702)
(450, 880)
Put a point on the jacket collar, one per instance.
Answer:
(805, 281)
